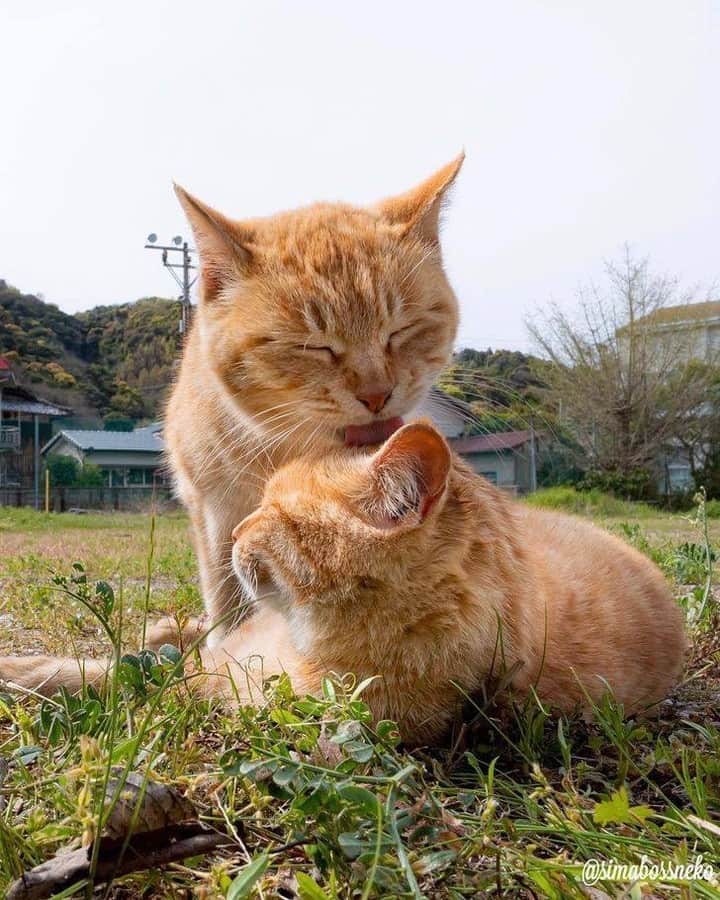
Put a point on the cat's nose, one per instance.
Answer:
(246, 523)
(375, 398)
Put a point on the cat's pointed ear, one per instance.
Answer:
(223, 245)
(408, 476)
(418, 210)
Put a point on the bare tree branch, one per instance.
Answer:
(629, 384)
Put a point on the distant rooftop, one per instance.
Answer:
(484, 443)
(142, 440)
(17, 399)
(685, 312)
(33, 407)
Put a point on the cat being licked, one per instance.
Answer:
(406, 567)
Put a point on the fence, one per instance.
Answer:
(62, 499)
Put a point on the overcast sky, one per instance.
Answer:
(586, 124)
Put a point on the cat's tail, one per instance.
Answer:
(45, 675)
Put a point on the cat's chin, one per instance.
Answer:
(371, 432)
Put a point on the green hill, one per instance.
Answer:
(120, 359)
(108, 359)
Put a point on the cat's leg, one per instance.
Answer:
(44, 675)
(216, 500)
(258, 649)
(221, 591)
(181, 633)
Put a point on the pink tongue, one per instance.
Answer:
(372, 433)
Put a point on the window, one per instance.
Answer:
(679, 478)
(492, 477)
(116, 477)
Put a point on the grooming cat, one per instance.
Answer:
(315, 328)
(407, 566)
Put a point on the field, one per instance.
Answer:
(315, 802)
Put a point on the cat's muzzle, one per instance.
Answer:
(255, 579)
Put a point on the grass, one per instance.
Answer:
(322, 804)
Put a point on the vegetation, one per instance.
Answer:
(506, 375)
(110, 360)
(623, 389)
(317, 803)
(591, 502)
(116, 363)
(501, 388)
(66, 471)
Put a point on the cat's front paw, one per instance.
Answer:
(181, 633)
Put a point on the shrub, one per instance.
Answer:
(709, 476)
(64, 470)
(712, 509)
(634, 485)
(90, 475)
(115, 421)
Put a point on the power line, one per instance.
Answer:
(178, 246)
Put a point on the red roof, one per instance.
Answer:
(484, 443)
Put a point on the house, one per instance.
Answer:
(25, 423)
(126, 458)
(689, 331)
(135, 458)
(451, 416)
(506, 459)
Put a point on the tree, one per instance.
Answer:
(117, 421)
(127, 400)
(64, 470)
(625, 383)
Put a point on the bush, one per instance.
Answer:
(115, 421)
(709, 476)
(64, 470)
(712, 509)
(634, 485)
(90, 475)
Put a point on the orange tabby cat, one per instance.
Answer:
(407, 566)
(315, 328)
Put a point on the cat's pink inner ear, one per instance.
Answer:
(416, 456)
(223, 245)
(418, 210)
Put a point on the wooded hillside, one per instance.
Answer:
(110, 359)
(119, 359)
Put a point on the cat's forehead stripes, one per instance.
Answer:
(339, 281)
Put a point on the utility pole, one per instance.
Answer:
(533, 458)
(185, 283)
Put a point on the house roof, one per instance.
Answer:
(448, 401)
(19, 399)
(143, 440)
(488, 443)
(685, 312)
(152, 428)
(35, 407)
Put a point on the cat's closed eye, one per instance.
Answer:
(400, 336)
(328, 353)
